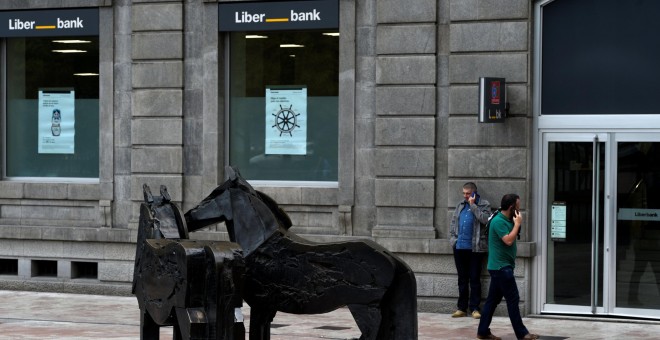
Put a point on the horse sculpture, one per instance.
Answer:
(287, 273)
(194, 286)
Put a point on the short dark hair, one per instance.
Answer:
(508, 200)
(471, 186)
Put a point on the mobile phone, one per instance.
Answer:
(475, 195)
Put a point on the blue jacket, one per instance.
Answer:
(481, 211)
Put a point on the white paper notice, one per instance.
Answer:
(56, 122)
(286, 121)
(558, 221)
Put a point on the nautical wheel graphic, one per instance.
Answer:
(285, 120)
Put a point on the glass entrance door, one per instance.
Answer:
(574, 219)
(637, 289)
(600, 221)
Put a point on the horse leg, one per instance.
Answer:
(368, 319)
(260, 319)
(176, 331)
(148, 327)
(399, 308)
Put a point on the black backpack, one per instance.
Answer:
(490, 218)
(483, 234)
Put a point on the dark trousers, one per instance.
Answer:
(468, 267)
(502, 284)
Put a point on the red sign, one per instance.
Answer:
(495, 92)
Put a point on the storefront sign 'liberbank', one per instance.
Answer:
(66, 22)
(278, 15)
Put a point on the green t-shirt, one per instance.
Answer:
(499, 254)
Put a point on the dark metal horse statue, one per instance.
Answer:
(287, 273)
(194, 286)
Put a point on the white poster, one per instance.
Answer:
(56, 121)
(286, 121)
(558, 221)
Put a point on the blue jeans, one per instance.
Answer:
(502, 284)
(468, 268)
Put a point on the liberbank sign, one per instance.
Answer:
(49, 23)
(278, 15)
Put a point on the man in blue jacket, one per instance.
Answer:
(469, 244)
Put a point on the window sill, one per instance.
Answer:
(50, 190)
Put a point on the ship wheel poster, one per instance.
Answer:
(286, 121)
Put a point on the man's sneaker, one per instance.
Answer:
(489, 336)
(476, 314)
(459, 314)
(530, 336)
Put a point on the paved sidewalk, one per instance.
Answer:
(28, 315)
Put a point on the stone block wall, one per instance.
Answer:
(157, 69)
(427, 142)
(488, 39)
(404, 117)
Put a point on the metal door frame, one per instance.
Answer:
(610, 139)
(624, 136)
(542, 218)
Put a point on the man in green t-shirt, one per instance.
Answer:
(502, 234)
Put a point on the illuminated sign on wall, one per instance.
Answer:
(65, 22)
(278, 15)
(492, 100)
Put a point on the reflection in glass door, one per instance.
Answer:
(601, 224)
(638, 225)
(574, 277)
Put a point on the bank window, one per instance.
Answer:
(50, 106)
(283, 105)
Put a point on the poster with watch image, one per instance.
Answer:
(56, 121)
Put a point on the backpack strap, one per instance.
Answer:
(490, 218)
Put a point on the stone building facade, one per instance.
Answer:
(408, 138)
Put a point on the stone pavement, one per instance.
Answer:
(30, 315)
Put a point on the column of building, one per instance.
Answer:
(406, 65)
(156, 155)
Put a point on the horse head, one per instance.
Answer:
(160, 217)
(251, 217)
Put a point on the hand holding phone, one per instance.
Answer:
(517, 216)
(473, 198)
(517, 219)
